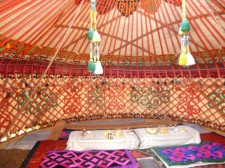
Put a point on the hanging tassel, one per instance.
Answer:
(96, 37)
(90, 33)
(185, 26)
(91, 65)
(182, 59)
(99, 69)
(94, 65)
(185, 58)
(190, 59)
(93, 13)
(181, 33)
(7, 46)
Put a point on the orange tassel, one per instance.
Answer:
(8, 46)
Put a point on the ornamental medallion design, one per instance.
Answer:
(116, 97)
(72, 101)
(40, 100)
(150, 96)
(217, 100)
(189, 97)
(127, 7)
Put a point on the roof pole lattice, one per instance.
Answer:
(185, 58)
(94, 64)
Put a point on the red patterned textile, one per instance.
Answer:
(36, 155)
(213, 137)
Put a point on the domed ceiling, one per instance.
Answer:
(139, 38)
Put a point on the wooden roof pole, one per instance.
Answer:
(203, 34)
(169, 31)
(59, 47)
(9, 4)
(14, 30)
(116, 27)
(214, 15)
(31, 41)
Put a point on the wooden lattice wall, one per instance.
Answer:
(29, 103)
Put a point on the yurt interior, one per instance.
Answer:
(112, 83)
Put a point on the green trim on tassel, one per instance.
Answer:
(185, 26)
(91, 66)
(90, 33)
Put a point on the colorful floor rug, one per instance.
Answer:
(213, 137)
(89, 159)
(191, 155)
(35, 156)
(65, 134)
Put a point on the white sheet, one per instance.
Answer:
(185, 135)
(96, 140)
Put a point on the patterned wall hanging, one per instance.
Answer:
(116, 97)
(42, 100)
(72, 100)
(5, 119)
(217, 100)
(189, 97)
(193, 100)
(127, 7)
(150, 96)
(95, 96)
(104, 6)
(188, 103)
(150, 6)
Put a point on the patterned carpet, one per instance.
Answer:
(11, 158)
(36, 155)
(195, 154)
(89, 159)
